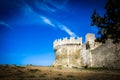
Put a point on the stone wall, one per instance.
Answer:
(85, 56)
(68, 56)
(106, 55)
(72, 53)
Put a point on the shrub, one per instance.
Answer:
(59, 74)
(69, 76)
(33, 70)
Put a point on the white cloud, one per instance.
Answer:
(47, 21)
(58, 25)
(69, 31)
(6, 25)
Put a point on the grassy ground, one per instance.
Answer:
(51, 73)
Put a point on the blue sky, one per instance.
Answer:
(29, 27)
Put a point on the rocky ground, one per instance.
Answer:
(51, 73)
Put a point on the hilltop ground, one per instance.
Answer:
(51, 73)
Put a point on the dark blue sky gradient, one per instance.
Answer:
(29, 27)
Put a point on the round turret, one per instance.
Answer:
(67, 52)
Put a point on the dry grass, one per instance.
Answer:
(50, 73)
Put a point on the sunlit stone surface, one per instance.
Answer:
(72, 53)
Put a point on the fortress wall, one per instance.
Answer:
(68, 56)
(106, 55)
(72, 53)
(85, 56)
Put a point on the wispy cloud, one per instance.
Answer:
(54, 23)
(47, 21)
(5, 24)
(68, 31)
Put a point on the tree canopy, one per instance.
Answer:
(109, 24)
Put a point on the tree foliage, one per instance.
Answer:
(109, 24)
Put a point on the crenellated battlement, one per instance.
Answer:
(67, 41)
(70, 52)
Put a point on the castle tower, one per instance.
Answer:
(90, 40)
(67, 52)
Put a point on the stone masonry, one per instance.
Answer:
(72, 53)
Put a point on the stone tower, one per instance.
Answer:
(72, 53)
(86, 56)
(90, 40)
(67, 52)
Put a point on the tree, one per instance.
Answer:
(109, 24)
